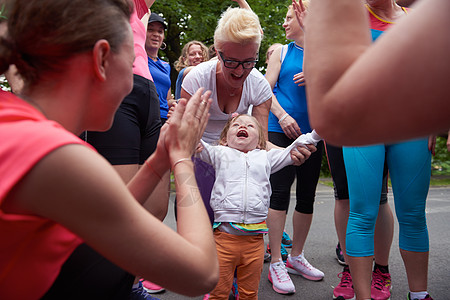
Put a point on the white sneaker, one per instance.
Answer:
(300, 266)
(281, 282)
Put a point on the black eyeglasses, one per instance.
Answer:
(233, 64)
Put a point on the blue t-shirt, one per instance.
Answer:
(291, 96)
(160, 71)
(178, 84)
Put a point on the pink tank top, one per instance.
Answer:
(32, 249)
(140, 66)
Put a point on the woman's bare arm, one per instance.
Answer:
(91, 200)
(394, 89)
(243, 4)
(287, 123)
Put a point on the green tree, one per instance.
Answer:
(194, 20)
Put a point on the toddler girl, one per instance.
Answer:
(240, 199)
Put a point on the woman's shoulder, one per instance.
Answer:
(206, 66)
(256, 75)
(256, 81)
(203, 73)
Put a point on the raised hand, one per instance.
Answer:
(300, 13)
(242, 4)
(186, 125)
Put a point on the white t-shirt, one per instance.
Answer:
(256, 90)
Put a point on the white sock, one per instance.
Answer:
(418, 295)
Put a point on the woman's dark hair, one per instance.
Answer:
(43, 34)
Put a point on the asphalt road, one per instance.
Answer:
(321, 243)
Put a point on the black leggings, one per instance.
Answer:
(307, 177)
(135, 131)
(339, 175)
(88, 275)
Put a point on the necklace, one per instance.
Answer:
(153, 57)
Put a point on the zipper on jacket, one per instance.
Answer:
(245, 188)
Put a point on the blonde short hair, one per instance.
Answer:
(238, 25)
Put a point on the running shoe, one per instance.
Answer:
(381, 285)
(279, 277)
(284, 253)
(300, 266)
(344, 290)
(286, 240)
(428, 297)
(140, 294)
(152, 288)
(339, 255)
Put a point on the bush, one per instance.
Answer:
(440, 162)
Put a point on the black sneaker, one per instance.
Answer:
(339, 255)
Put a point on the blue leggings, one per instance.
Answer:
(409, 166)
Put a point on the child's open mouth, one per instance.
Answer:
(242, 133)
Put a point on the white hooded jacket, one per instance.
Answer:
(241, 192)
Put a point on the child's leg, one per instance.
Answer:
(228, 253)
(250, 266)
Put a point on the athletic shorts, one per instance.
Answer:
(88, 275)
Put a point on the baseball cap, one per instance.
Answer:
(156, 18)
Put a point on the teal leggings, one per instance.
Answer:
(409, 166)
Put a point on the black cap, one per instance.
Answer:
(156, 18)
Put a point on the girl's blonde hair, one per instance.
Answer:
(238, 25)
(182, 61)
(223, 134)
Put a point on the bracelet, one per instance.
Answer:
(181, 160)
(151, 168)
(283, 117)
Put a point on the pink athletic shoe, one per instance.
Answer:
(152, 288)
(279, 277)
(381, 285)
(344, 290)
(300, 266)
